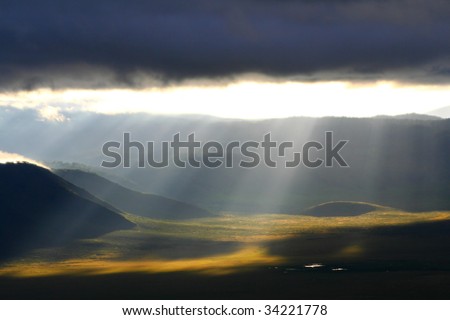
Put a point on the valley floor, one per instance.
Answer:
(384, 254)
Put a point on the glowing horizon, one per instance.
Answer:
(242, 100)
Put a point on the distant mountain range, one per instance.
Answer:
(38, 208)
(411, 116)
(401, 162)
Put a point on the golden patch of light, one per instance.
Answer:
(251, 256)
(351, 251)
(6, 157)
(246, 99)
(440, 216)
(269, 227)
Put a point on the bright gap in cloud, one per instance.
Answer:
(246, 100)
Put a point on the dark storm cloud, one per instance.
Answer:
(105, 43)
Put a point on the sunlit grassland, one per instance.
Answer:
(231, 226)
(217, 245)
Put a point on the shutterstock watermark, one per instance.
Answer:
(213, 154)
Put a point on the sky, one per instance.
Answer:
(226, 58)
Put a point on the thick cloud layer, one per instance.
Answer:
(106, 43)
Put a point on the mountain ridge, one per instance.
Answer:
(40, 209)
(131, 201)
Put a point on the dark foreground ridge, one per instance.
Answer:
(38, 208)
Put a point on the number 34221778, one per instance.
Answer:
(296, 310)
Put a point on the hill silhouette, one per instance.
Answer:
(142, 204)
(340, 209)
(38, 209)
